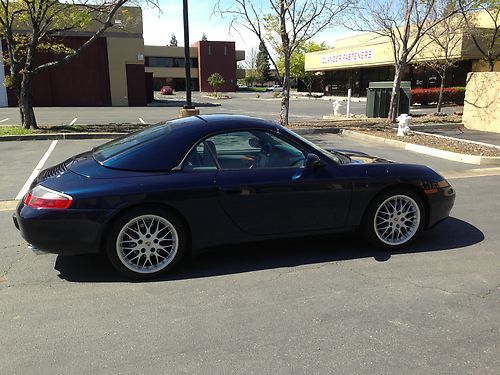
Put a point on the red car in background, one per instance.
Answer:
(166, 90)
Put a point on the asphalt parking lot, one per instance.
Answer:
(268, 107)
(305, 306)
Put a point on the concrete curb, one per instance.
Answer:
(454, 139)
(453, 156)
(57, 136)
(305, 131)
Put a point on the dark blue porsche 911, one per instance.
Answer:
(149, 198)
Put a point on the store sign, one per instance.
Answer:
(347, 57)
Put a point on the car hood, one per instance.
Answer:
(358, 157)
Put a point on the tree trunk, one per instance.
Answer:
(285, 99)
(441, 89)
(491, 63)
(398, 76)
(285, 40)
(28, 119)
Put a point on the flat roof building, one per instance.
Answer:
(119, 70)
(356, 61)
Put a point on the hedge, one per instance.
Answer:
(453, 95)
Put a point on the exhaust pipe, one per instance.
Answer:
(36, 250)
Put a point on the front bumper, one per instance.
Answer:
(69, 231)
(440, 205)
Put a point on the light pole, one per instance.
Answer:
(187, 58)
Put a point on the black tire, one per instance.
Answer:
(150, 250)
(414, 220)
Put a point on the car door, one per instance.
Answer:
(276, 194)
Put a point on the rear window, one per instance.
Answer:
(157, 148)
(127, 142)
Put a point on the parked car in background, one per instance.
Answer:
(166, 90)
(275, 88)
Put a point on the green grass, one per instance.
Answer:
(17, 130)
(14, 130)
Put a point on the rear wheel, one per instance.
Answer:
(394, 219)
(146, 242)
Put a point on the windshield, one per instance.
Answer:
(320, 150)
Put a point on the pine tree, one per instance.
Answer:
(263, 67)
(173, 41)
(204, 37)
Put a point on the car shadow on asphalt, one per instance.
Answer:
(451, 234)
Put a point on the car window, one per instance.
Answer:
(200, 158)
(253, 149)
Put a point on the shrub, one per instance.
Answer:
(453, 95)
(257, 96)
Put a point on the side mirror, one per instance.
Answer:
(312, 161)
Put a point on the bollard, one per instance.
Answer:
(349, 93)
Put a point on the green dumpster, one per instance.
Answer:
(378, 98)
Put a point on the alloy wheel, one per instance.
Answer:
(147, 244)
(397, 220)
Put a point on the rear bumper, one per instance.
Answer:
(440, 204)
(62, 231)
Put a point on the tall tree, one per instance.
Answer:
(444, 45)
(283, 25)
(32, 26)
(404, 23)
(297, 64)
(204, 37)
(486, 39)
(216, 80)
(173, 41)
(263, 67)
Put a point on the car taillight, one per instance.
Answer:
(41, 197)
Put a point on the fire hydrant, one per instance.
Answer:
(404, 121)
(336, 107)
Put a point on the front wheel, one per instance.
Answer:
(146, 242)
(394, 219)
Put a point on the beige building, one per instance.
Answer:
(355, 61)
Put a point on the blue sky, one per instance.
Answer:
(158, 28)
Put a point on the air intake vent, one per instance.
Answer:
(53, 171)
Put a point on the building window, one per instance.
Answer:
(168, 62)
(209, 50)
(225, 50)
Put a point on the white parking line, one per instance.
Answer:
(142, 121)
(74, 120)
(5, 119)
(35, 172)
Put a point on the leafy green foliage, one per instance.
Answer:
(297, 63)
(263, 71)
(173, 41)
(216, 80)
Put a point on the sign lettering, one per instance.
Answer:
(348, 57)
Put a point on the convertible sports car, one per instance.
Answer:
(149, 198)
